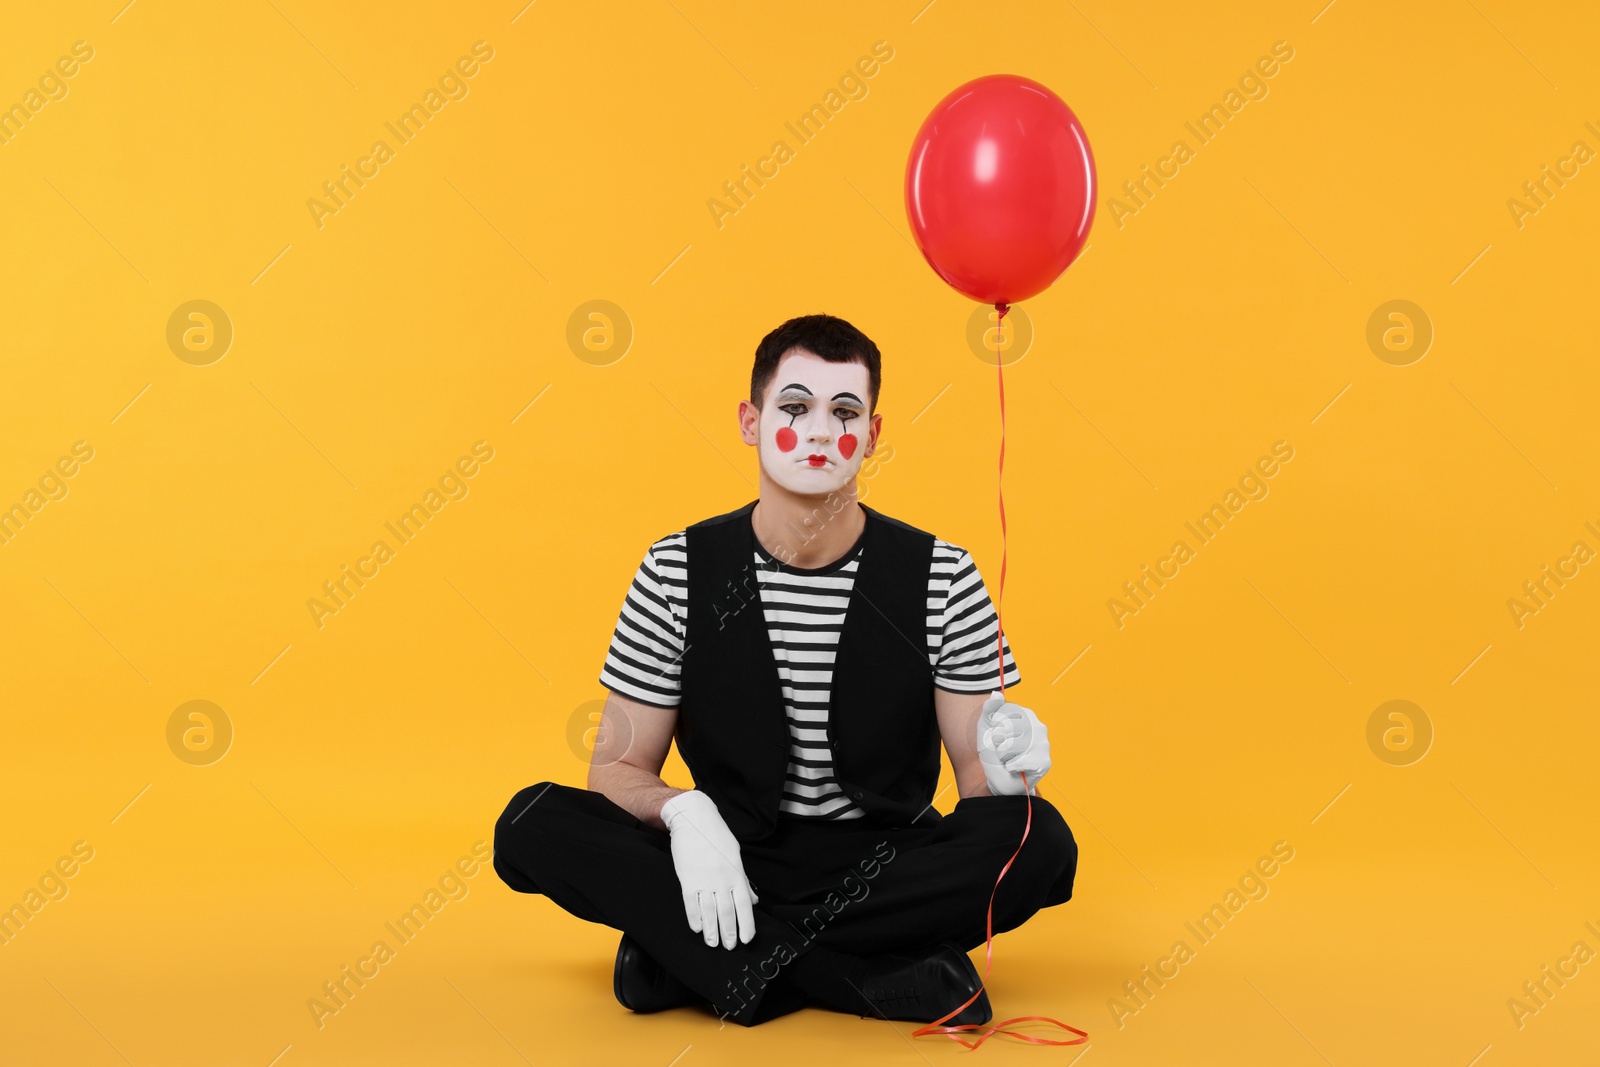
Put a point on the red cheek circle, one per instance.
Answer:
(847, 445)
(787, 439)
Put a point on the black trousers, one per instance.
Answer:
(854, 889)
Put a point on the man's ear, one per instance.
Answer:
(749, 422)
(872, 435)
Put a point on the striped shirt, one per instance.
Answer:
(804, 609)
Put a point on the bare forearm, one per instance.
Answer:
(974, 784)
(634, 790)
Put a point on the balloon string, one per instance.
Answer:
(988, 941)
(1000, 482)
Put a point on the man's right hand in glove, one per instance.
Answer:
(717, 897)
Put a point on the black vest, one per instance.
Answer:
(882, 729)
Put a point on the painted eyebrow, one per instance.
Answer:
(807, 392)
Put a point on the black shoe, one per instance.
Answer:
(643, 985)
(926, 987)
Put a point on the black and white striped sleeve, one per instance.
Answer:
(963, 626)
(644, 661)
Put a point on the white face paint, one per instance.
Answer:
(814, 428)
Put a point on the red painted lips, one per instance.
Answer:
(817, 461)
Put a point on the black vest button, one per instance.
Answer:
(855, 796)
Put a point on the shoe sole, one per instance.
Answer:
(616, 971)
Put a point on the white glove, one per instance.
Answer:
(717, 896)
(1011, 739)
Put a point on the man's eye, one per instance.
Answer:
(792, 409)
(846, 414)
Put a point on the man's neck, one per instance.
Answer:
(807, 531)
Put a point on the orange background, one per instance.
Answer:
(1230, 312)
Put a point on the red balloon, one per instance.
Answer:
(1000, 188)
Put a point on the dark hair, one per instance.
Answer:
(825, 337)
